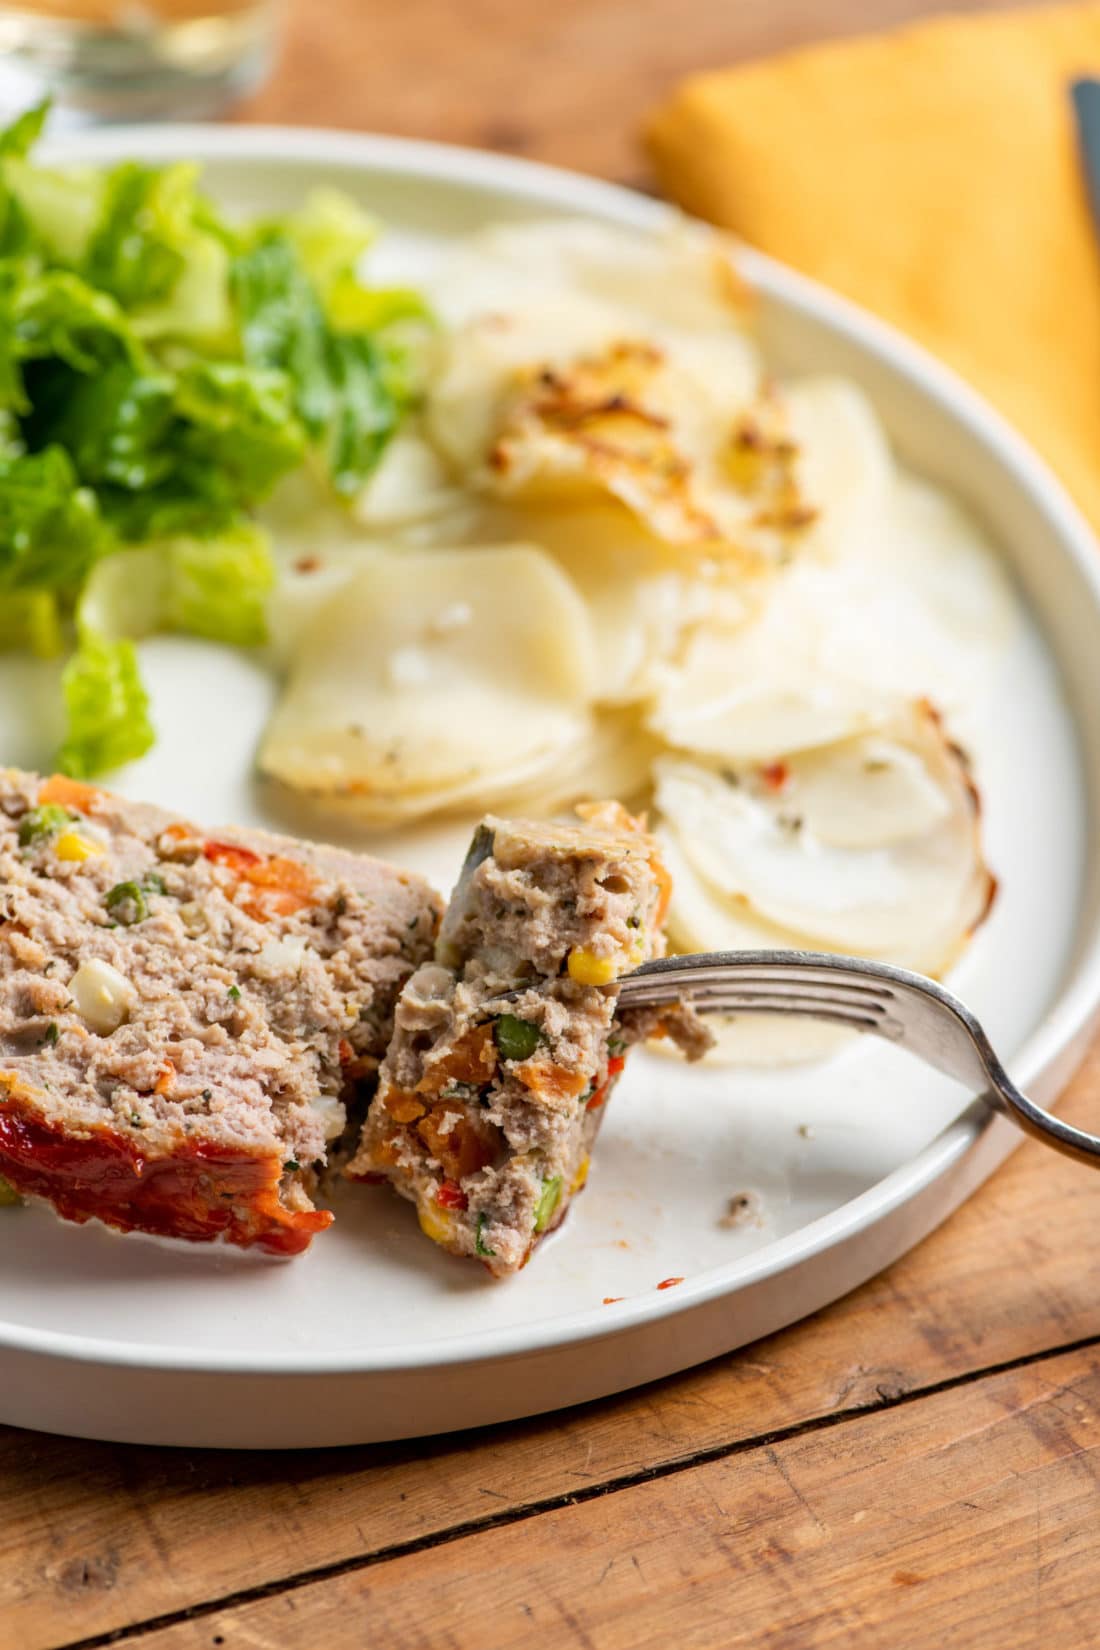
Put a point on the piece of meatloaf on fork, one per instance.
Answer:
(487, 1109)
(183, 1015)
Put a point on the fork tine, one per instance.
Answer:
(807, 1004)
(687, 977)
(697, 992)
(813, 1008)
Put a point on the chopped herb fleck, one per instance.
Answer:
(634, 921)
(53, 1032)
(290, 1167)
(234, 993)
(480, 1245)
(136, 1120)
(154, 883)
(458, 1091)
(616, 1046)
(208, 1094)
(516, 1039)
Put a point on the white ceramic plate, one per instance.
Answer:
(375, 1334)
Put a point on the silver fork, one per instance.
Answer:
(904, 1008)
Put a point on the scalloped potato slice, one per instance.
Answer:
(613, 754)
(682, 280)
(640, 606)
(833, 647)
(870, 845)
(585, 364)
(844, 465)
(434, 677)
(680, 434)
(615, 758)
(765, 686)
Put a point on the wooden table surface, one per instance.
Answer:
(916, 1467)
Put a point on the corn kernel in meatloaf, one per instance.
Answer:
(183, 1015)
(487, 1111)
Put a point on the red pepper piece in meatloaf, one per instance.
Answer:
(487, 1110)
(183, 1016)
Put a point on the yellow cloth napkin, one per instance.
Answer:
(931, 174)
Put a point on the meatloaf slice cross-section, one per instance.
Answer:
(182, 1016)
(487, 1109)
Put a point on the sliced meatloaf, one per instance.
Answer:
(184, 1015)
(487, 1109)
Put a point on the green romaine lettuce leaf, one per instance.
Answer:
(22, 133)
(136, 252)
(107, 707)
(160, 371)
(159, 249)
(54, 316)
(219, 587)
(30, 619)
(115, 426)
(237, 423)
(166, 452)
(348, 390)
(215, 587)
(330, 233)
(51, 531)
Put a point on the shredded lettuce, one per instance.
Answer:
(161, 369)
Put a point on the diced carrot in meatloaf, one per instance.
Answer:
(507, 1046)
(183, 1014)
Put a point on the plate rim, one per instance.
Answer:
(1075, 1006)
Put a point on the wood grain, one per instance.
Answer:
(966, 1519)
(568, 82)
(111, 1535)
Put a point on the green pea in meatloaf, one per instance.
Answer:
(183, 1016)
(487, 1109)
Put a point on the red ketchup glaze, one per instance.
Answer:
(200, 1192)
